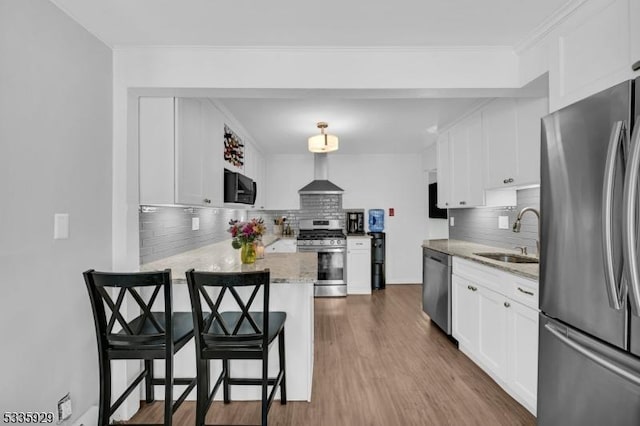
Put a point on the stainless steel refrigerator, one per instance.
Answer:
(589, 348)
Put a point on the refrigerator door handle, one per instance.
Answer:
(629, 224)
(593, 356)
(613, 278)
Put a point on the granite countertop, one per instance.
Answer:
(466, 250)
(221, 257)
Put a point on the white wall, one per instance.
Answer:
(369, 182)
(386, 181)
(55, 157)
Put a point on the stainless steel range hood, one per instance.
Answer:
(320, 184)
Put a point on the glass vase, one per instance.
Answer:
(248, 253)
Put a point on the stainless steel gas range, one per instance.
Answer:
(326, 238)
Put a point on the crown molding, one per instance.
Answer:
(324, 49)
(548, 25)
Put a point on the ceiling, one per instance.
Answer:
(374, 126)
(282, 124)
(305, 23)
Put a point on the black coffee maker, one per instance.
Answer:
(355, 222)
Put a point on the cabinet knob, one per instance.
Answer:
(472, 288)
(507, 304)
(462, 203)
(446, 204)
(207, 201)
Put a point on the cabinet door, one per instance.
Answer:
(594, 48)
(359, 271)
(465, 313)
(212, 168)
(500, 138)
(493, 311)
(635, 34)
(459, 173)
(190, 148)
(156, 139)
(443, 171)
(466, 177)
(523, 354)
(475, 150)
(529, 115)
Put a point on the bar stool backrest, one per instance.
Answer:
(236, 328)
(151, 329)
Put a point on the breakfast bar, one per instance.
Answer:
(292, 279)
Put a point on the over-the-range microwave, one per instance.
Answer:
(239, 188)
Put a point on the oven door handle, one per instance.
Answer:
(321, 250)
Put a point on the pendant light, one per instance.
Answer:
(323, 142)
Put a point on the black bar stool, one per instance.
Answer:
(151, 335)
(234, 335)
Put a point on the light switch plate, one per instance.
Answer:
(60, 226)
(195, 223)
(452, 221)
(503, 222)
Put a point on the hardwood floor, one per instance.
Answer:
(378, 361)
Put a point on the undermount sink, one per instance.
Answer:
(508, 257)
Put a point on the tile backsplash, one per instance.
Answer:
(480, 225)
(166, 230)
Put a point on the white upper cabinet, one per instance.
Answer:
(199, 175)
(595, 50)
(635, 34)
(443, 171)
(254, 168)
(182, 153)
(500, 135)
(465, 156)
(156, 138)
(511, 135)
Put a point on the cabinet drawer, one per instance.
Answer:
(525, 291)
(486, 276)
(358, 243)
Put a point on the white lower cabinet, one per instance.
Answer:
(497, 332)
(465, 300)
(493, 321)
(523, 359)
(358, 265)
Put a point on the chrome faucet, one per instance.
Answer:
(517, 224)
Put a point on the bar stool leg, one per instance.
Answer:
(104, 410)
(168, 391)
(203, 391)
(265, 393)
(148, 389)
(283, 383)
(226, 387)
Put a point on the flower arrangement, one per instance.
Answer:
(246, 232)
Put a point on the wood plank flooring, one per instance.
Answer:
(378, 361)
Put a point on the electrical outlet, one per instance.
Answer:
(503, 222)
(195, 223)
(452, 221)
(64, 408)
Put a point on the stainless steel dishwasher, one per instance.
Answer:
(436, 288)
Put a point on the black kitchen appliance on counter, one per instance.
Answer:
(378, 280)
(355, 222)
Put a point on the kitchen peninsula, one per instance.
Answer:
(292, 279)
